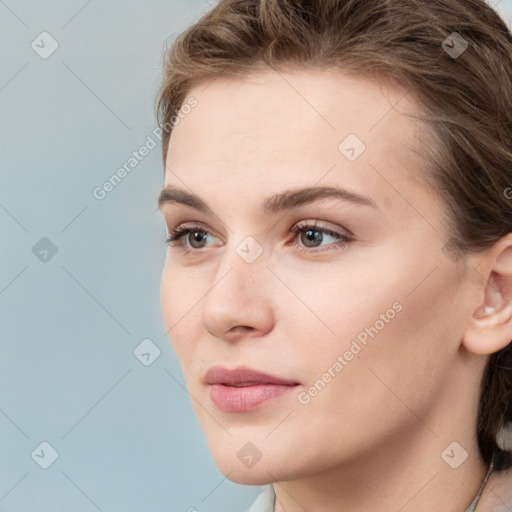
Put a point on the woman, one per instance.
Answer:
(338, 284)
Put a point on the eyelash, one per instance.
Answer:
(174, 238)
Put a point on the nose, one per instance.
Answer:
(239, 302)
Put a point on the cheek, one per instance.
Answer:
(168, 300)
(395, 344)
(422, 345)
(330, 304)
(180, 298)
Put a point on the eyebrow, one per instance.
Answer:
(277, 203)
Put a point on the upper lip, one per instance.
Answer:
(242, 375)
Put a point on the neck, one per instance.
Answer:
(405, 476)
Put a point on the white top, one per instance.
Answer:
(265, 502)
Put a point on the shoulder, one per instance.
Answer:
(497, 494)
(265, 500)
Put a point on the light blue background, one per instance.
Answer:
(126, 435)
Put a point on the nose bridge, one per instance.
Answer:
(237, 294)
(243, 266)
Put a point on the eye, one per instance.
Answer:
(312, 236)
(188, 239)
(199, 235)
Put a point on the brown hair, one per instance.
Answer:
(468, 98)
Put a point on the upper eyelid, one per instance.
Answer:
(302, 223)
(190, 225)
(185, 227)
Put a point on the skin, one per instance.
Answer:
(372, 439)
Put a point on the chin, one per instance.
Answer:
(243, 463)
(250, 477)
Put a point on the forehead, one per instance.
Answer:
(272, 128)
(301, 110)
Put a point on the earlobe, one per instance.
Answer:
(489, 333)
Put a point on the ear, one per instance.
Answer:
(490, 326)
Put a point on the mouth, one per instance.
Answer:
(243, 389)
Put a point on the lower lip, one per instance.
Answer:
(231, 399)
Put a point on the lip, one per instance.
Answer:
(242, 375)
(243, 388)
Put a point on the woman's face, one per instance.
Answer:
(361, 312)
